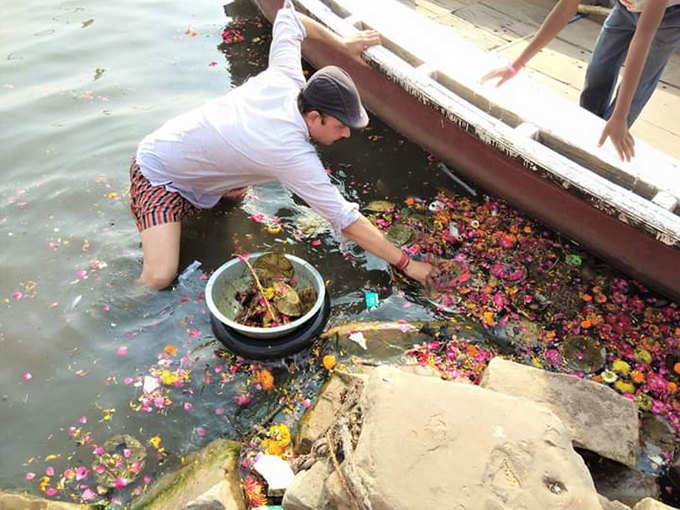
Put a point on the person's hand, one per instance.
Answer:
(356, 44)
(502, 73)
(616, 129)
(422, 272)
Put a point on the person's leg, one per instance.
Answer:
(608, 55)
(666, 41)
(161, 254)
(158, 214)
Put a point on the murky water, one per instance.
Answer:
(81, 85)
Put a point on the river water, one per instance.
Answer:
(80, 85)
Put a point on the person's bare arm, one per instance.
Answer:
(552, 25)
(616, 128)
(366, 235)
(354, 45)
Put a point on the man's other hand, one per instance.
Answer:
(357, 43)
(616, 130)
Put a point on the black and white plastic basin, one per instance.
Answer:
(234, 275)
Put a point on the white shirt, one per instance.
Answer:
(253, 134)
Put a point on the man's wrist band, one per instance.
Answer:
(403, 262)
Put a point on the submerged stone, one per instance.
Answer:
(380, 206)
(399, 234)
(123, 457)
(583, 353)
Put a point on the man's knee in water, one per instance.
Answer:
(157, 279)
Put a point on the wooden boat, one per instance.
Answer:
(521, 142)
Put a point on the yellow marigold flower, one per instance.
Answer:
(279, 439)
(642, 355)
(624, 387)
(329, 362)
(274, 228)
(621, 367)
(269, 292)
(489, 319)
(155, 441)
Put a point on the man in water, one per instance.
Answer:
(258, 132)
(640, 34)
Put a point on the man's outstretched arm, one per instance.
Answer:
(353, 45)
(366, 235)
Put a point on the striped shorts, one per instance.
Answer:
(155, 205)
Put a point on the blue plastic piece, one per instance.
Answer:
(371, 299)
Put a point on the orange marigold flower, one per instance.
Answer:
(472, 350)
(254, 491)
(265, 378)
(672, 387)
(600, 298)
(637, 377)
(410, 201)
(329, 362)
(170, 350)
(676, 368)
(586, 297)
(586, 324)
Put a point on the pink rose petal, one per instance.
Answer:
(120, 483)
(81, 473)
(82, 420)
(122, 350)
(29, 476)
(27, 376)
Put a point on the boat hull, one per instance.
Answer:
(632, 250)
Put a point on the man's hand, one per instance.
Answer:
(616, 130)
(357, 43)
(502, 73)
(421, 272)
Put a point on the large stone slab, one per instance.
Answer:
(319, 417)
(209, 480)
(428, 443)
(612, 505)
(17, 501)
(596, 416)
(652, 504)
(307, 492)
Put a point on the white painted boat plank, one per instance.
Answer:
(465, 63)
